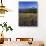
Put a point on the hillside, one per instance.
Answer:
(30, 10)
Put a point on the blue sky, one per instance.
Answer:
(23, 5)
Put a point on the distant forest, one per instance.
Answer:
(28, 10)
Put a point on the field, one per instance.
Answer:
(27, 19)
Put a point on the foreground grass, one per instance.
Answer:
(27, 19)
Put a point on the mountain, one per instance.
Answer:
(29, 10)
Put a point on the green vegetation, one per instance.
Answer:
(5, 25)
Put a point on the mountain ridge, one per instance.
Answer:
(29, 10)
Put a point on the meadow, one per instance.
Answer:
(27, 19)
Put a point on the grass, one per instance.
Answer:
(27, 19)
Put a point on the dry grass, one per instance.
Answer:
(25, 19)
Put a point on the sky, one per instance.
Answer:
(23, 5)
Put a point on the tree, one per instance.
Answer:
(7, 29)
